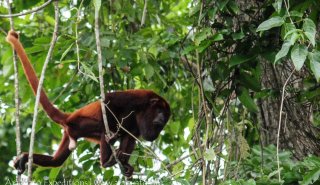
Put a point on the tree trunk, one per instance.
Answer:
(297, 132)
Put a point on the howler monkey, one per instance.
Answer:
(143, 113)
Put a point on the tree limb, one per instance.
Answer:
(41, 80)
(28, 12)
(16, 94)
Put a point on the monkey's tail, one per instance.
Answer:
(55, 114)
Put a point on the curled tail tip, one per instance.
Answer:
(12, 33)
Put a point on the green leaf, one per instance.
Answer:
(250, 81)
(310, 30)
(277, 5)
(295, 13)
(66, 52)
(209, 155)
(35, 49)
(298, 55)
(274, 172)
(238, 36)
(195, 9)
(294, 37)
(270, 23)
(54, 173)
(217, 37)
(204, 45)
(86, 157)
(174, 128)
(183, 181)
(284, 50)
(290, 32)
(56, 129)
(88, 72)
(247, 101)
(7, 62)
(87, 165)
(188, 49)
(149, 71)
(202, 35)
(221, 4)
(315, 64)
(108, 174)
(234, 7)
(311, 177)
(50, 20)
(239, 59)
(250, 182)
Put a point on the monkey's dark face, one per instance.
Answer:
(154, 118)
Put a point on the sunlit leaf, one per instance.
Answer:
(50, 20)
(149, 71)
(66, 52)
(209, 155)
(270, 23)
(311, 177)
(277, 5)
(54, 172)
(315, 64)
(310, 30)
(247, 101)
(202, 35)
(284, 51)
(298, 55)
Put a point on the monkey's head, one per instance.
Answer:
(152, 120)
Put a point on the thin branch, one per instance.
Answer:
(144, 13)
(287, 9)
(77, 38)
(28, 12)
(202, 101)
(41, 80)
(280, 120)
(102, 93)
(16, 95)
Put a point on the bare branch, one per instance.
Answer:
(102, 93)
(16, 95)
(144, 13)
(183, 158)
(280, 120)
(36, 106)
(28, 12)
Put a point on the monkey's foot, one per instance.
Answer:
(128, 170)
(20, 163)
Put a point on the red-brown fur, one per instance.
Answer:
(145, 113)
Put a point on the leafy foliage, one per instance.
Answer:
(261, 168)
(207, 58)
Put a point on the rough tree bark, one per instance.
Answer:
(297, 132)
